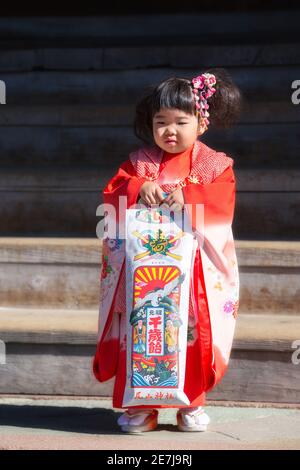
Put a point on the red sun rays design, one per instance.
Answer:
(149, 278)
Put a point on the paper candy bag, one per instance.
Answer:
(159, 258)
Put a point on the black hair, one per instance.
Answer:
(224, 105)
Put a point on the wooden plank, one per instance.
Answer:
(267, 180)
(267, 215)
(81, 145)
(122, 115)
(66, 370)
(269, 289)
(254, 332)
(266, 332)
(46, 326)
(259, 376)
(264, 289)
(126, 86)
(269, 111)
(53, 179)
(67, 115)
(48, 250)
(237, 54)
(261, 146)
(38, 280)
(157, 25)
(49, 214)
(133, 57)
(268, 253)
(69, 285)
(52, 370)
(16, 250)
(72, 211)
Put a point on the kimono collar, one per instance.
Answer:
(155, 154)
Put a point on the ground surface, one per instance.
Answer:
(85, 423)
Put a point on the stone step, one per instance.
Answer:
(64, 273)
(133, 57)
(47, 201)
(50, 352)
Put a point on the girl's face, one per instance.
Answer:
(174, 130)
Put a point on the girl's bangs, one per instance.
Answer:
(173, 95)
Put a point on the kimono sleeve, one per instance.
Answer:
(124, 183)
(217, 198)
(218, 261)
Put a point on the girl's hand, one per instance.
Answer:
(151, 193)
(175, 200)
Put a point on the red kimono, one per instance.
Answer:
(206, 177)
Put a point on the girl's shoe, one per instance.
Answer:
(192, 419)
(136, 421)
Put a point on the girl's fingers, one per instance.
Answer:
(159, 195)
(147, 200)
(175, 206)
(168, 200)
(142, 201)
(152, 199)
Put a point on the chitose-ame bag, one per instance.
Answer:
(159, 258)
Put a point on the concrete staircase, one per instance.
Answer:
(49, 315)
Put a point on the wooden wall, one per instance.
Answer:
(71, 86)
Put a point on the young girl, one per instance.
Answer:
(176, 169)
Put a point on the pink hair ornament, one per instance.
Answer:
(203, 88)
